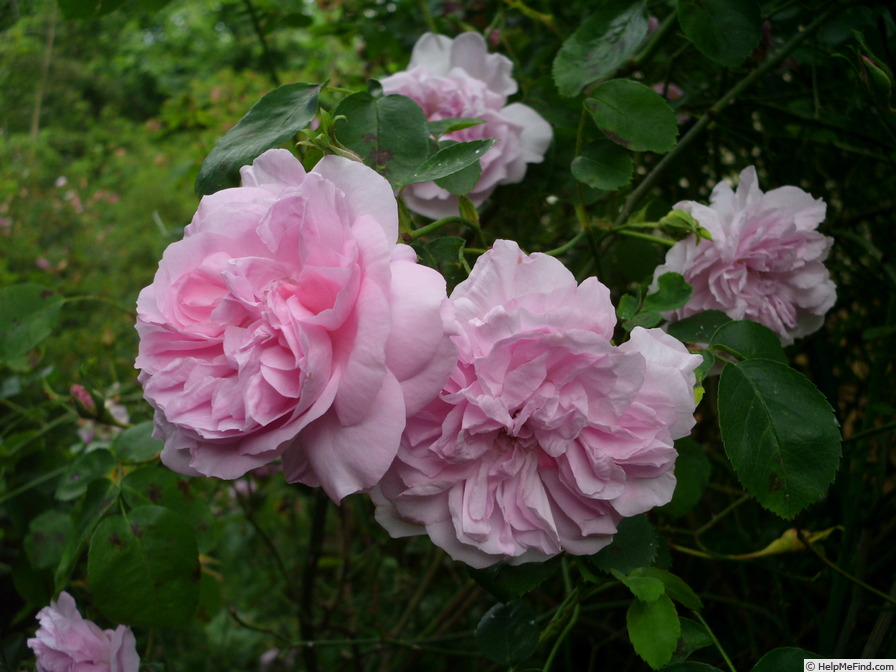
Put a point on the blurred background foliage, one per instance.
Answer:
(104, 122)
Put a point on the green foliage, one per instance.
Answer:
(633, 115)
(274, 119)
(143, 567)
(779, 432)
(98, 149)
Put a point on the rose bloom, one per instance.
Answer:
(458, 78)
(546, 434)
(287, 323)
(66, 642)
(765, 261)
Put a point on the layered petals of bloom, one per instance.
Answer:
(546, 434)
(66, 642)
(457, 77)
(765, 262)
(287, 323)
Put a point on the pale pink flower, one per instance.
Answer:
(66, 642)
(287, 323)
(458, 78)
(546, 434)
(765, 261)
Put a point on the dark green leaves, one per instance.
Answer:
(507, 633)
(143, 568)
(136, 444)
(272, 121)
(725, 31)
(779, 432)
(388, 132)
(28, 314)
(603, 165)
(508, 582)
(391, 135)
(634, 545)
(606, 40)
(633, 115)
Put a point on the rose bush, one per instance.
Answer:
(765, 261)
(546, 434)
(457, 77)
(287, 322)
(67, 642)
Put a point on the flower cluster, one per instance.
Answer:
(765, 262)
(67, 642)
(503, 422)
(459, 78)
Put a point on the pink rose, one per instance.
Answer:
(459, 78)
(765, 262)
(287, 323)
(546, 434)
(66, 642)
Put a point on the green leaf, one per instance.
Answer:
(450, 160)
(28, 314)
(46, 538)
(81, 472)
(136, 444)
(143, 568)
(156, 485)
(633, 115)
(693, 638)
(509, 582)
(507, 633)
(463, 181)
(653, 628)
(628, 306)
(389, 133)
(725, 31)
(673, 586)
(446, 255)
(273, 120)
(100, 496)
(605, 40)
(672, 292)
(644, 588)
(440, 127)
(779, 432)
(634, 545)
(692, 470)
(698, 328)
(783, 659)
(748, 340)
(603, 165)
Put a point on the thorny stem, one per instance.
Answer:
(647, 183)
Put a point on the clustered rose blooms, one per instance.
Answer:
(546, 434)
(457, 77)
(765, 262)
(288, 323)
(66, 642)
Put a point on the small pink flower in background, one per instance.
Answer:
(546, 434)
(458, 78)
(43, 263)
(66, 642)
(61, 181)
(671, 92)
(288, 323)
(765, 262)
